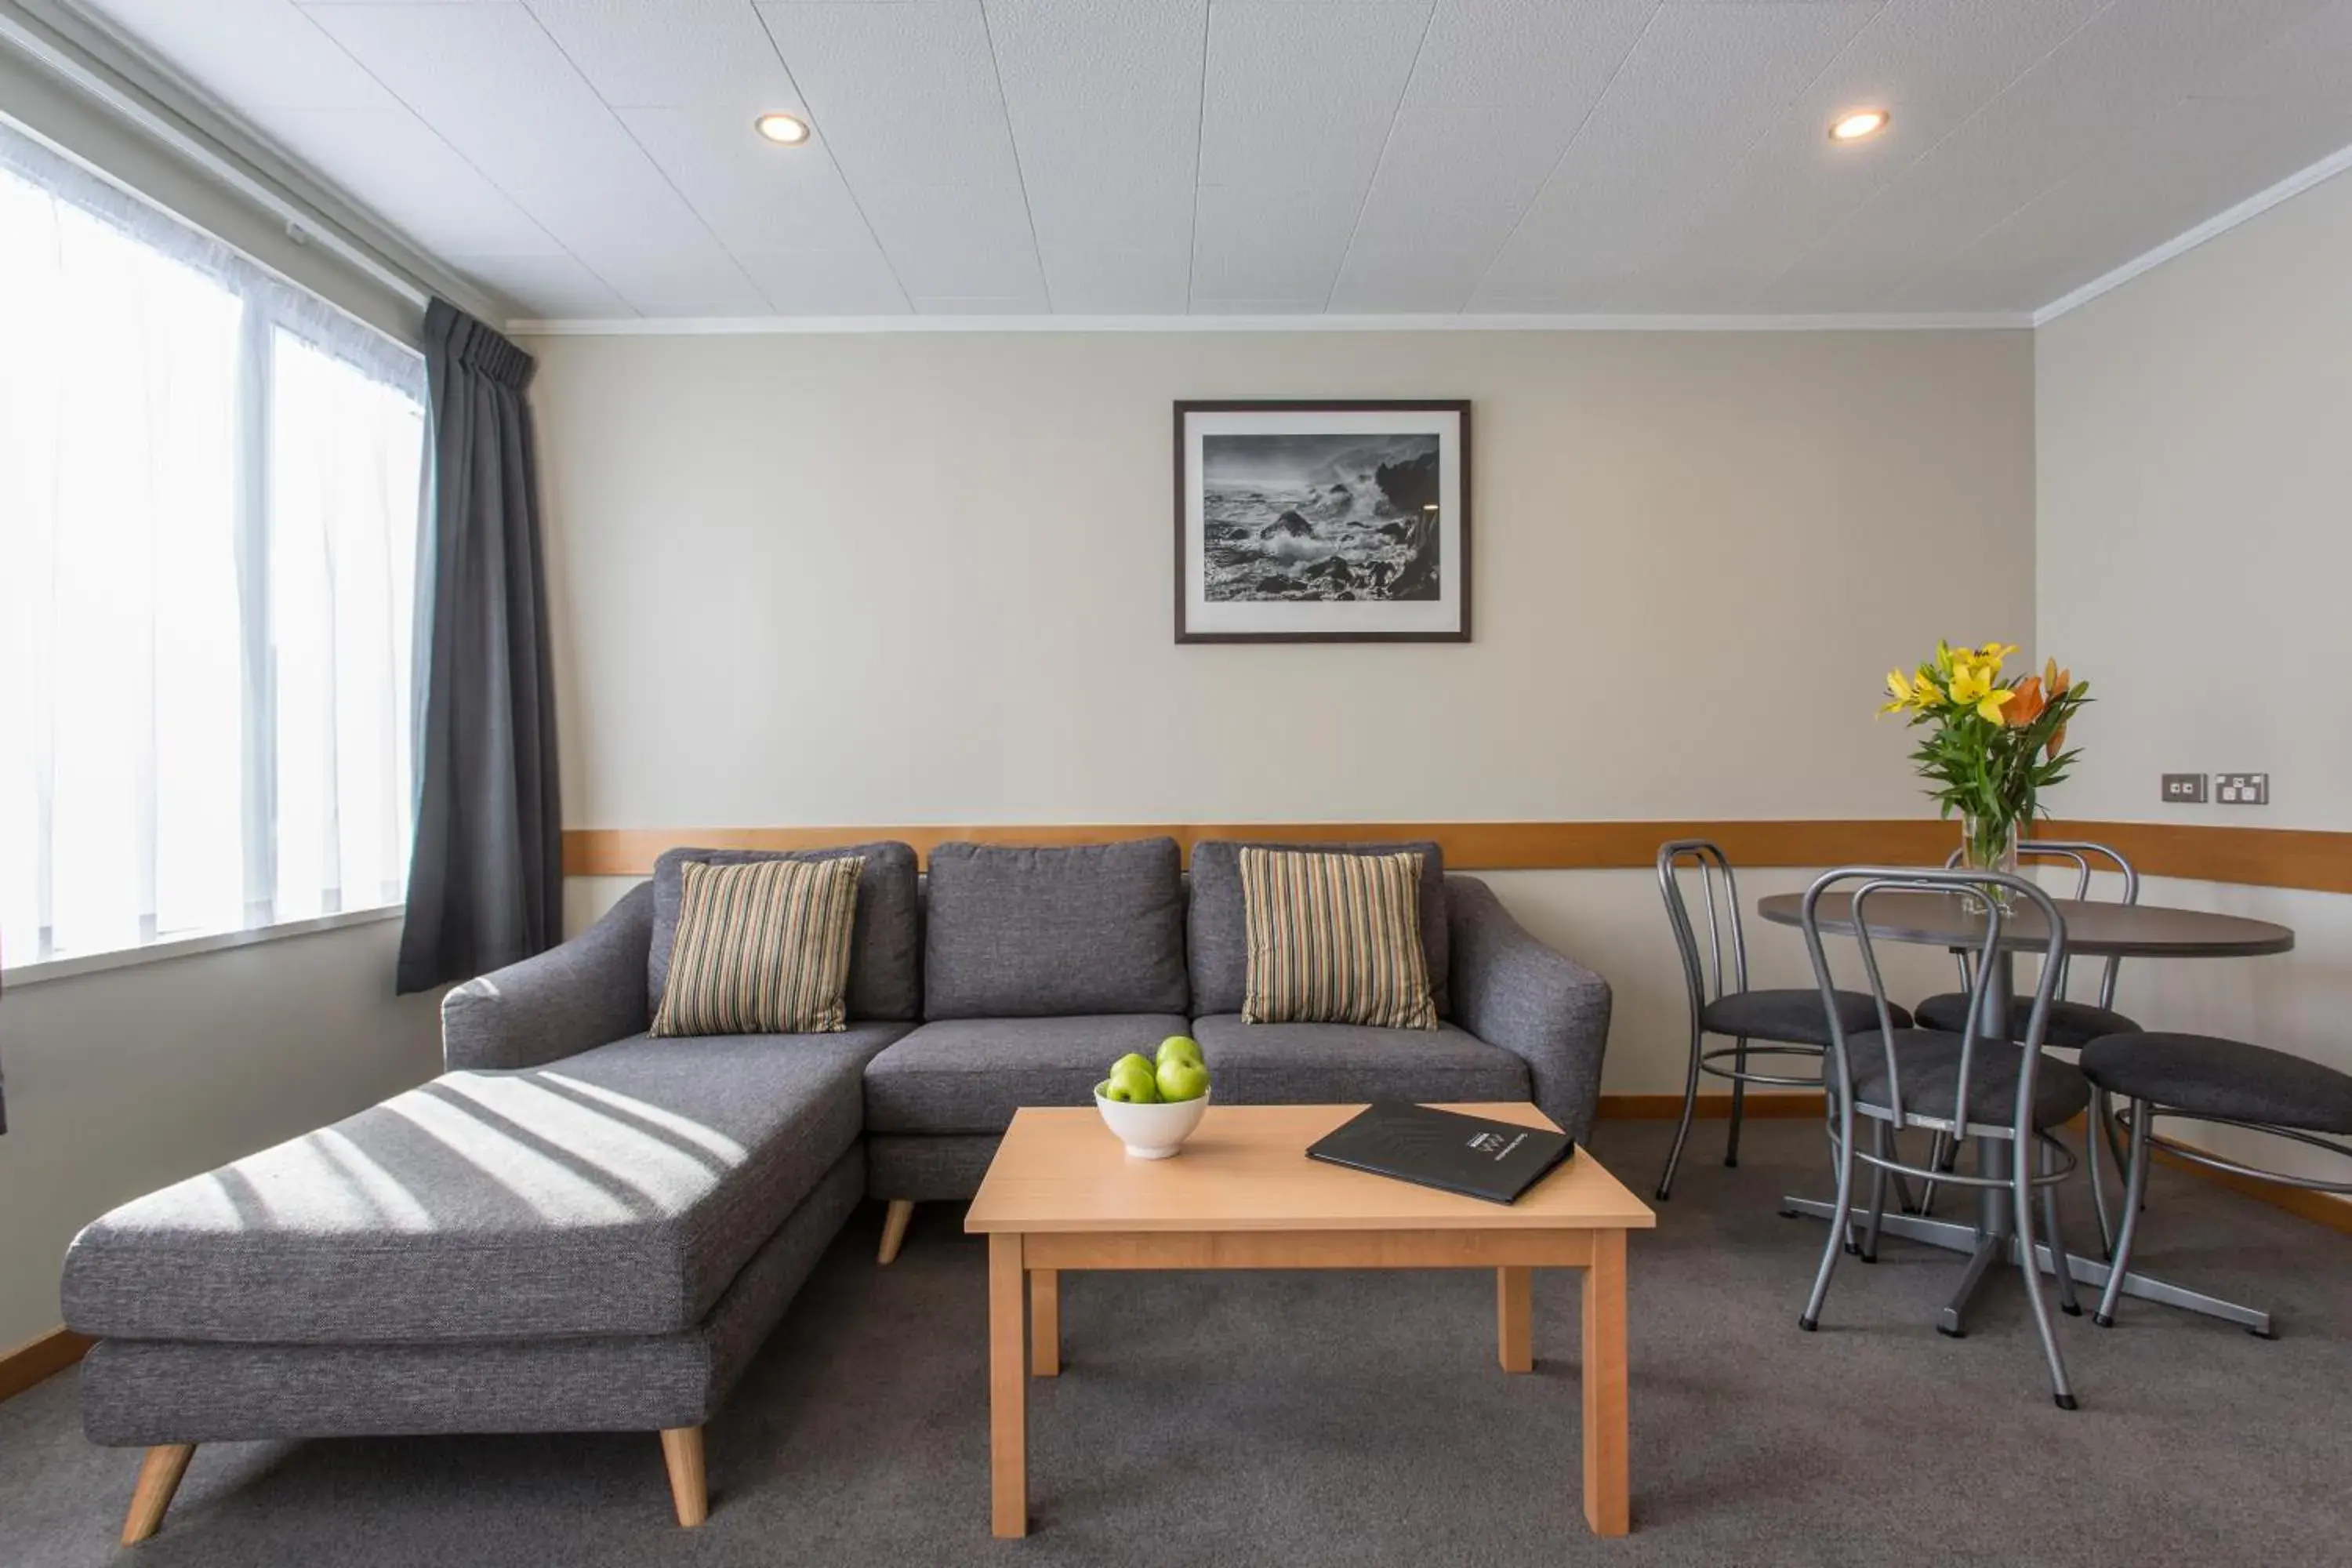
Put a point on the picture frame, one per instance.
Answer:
(1306, 521)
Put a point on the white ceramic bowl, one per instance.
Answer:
(1151, 1131)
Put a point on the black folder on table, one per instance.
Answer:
(1473, 1156)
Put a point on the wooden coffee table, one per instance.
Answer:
(1061, 1193)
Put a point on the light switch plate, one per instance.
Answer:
(2242, 789)
(2184, 789)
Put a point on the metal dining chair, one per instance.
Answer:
(1957, 1083)
(2223, 1083)
(2073, 1024)
(1772, 1023)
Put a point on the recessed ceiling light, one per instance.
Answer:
(781, 127)
(1858, 124)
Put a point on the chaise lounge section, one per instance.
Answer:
(582, 1227)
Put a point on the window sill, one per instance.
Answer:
(16, 974)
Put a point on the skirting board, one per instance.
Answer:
(2201, 852)
(37, 1361)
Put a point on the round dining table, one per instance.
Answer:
(2093, 929)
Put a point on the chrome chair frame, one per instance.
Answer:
(2136, 1119)
(2080, 853)
(2038, 1161)
(1711, 863)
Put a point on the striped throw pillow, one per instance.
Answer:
(761, 948)
(1334, 939)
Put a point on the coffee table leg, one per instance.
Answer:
(1008, 1391)
(1044, 1322)
(1607, 1467)
(1515, 1318)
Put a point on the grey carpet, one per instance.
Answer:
(1355, 1420)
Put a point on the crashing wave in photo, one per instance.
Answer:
(1322, 518)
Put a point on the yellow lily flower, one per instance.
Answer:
(1901, 688)
(1972, 687)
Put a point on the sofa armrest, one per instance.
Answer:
(1512, 990)
(587, 992)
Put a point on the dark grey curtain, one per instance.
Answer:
(486, 878)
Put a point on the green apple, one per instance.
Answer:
(1132, 1082)
(1183, 1045)
(1182, 1080)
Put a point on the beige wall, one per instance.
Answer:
(926, 578)
(2193, 552)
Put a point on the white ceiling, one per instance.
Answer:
(594, 158)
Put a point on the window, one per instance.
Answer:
(209, 487)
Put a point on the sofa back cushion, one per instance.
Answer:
(1219, 940)
(1028, 933)
(886, 937)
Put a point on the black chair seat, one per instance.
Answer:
(2071, 1025)
(2204, 1075)
(1929, 1061)
(1791, 1017)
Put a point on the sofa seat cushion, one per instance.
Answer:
(969, 1075)
(614, 1192)
(1343, 1064)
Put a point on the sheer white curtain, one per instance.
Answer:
(208, 530)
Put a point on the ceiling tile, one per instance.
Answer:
(1699, 89)
(903, 93)
(2200, 158)
(1269, 243)
(1932, 63)
(1114, 281)
(671, 54)
(249, 54)
(412, 179)
(1415, 277)
(2078, 107)
(800, 282)
(1104, 98)
(1302, 92)
(753, 193)
(2313, 60)
(494, 85)
(595, 157)
(1499, 88)
(1298, 104)
(952, 240)
(550, 287)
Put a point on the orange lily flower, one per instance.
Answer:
(2056, 681)
(2025, 703)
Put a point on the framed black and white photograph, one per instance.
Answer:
(1323, 521)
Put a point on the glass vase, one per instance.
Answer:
(1990, 843)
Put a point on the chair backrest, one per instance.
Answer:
(1724, 937)
(2087, 858)
(1986, 944)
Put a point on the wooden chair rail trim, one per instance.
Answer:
(2254, 856)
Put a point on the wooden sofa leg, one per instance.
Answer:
(682, 1452)
(159, 1477)
(894, 1229)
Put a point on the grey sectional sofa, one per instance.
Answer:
(578, 1227)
